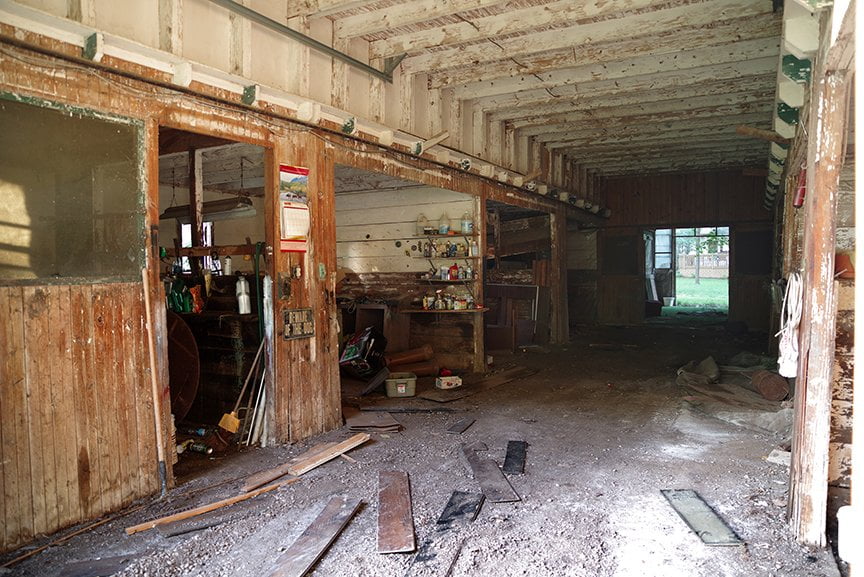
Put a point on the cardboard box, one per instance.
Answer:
(448, 382)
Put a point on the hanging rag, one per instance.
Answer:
(790, 317)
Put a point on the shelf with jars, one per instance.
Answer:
(447, 301)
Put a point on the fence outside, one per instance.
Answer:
(710, 265)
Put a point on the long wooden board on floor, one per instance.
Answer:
(492, 481)
(438, 551)
(305, 462)
(395, 519)
(701, 518)
(460, 426)
(462, 506)
(468, 389)
(316, 539)
(514, 460)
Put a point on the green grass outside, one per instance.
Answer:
(711, 293)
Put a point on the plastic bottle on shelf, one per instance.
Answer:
(467, 223)
(469, 273)
(444, 223)
(243, 303)
(422, 224)
(475, 248)
(454, 272)
(226, 268)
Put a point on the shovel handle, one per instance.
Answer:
(249, 376)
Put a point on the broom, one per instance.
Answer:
(229, 421)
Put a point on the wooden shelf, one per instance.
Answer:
(448, 257)
(454, 235)
(443, 312)
(450, 281)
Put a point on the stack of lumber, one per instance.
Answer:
(419, 361)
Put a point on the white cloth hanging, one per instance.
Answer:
(790, 317)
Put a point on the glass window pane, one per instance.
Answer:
(663, 260)
(71, 191)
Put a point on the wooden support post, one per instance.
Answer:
(196, 202)
(560, 323)
(809, 470)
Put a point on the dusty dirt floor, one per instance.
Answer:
(607, 430)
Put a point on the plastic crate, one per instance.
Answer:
(401, 384)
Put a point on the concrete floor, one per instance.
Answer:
(607, 430)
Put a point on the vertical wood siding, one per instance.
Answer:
(77, 424)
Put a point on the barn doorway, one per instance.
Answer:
(690, 270)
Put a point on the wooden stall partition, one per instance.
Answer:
(76, 433)
(750, 275)
(621, 284)
(306, 394)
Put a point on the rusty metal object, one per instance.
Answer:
(770, 385)
(183, 365)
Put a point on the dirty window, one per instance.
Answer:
(70, 195)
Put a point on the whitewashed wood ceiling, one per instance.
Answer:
(618, 86)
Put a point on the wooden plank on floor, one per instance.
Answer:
(701, 518)
(395, 519)
(461, 507)
(514, 461)
(460, 426)
(467, 389)
(104, 567)
(305, 462)
(438, 551)
(311, 545)
(492, 481)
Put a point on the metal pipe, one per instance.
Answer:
(259, 18)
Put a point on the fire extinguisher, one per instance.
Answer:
(801, 191)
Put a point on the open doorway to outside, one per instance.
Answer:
(690, 269)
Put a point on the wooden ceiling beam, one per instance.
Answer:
(655, 22)
(658, 136)
(714, 141)
(685, 107)
(671, 41)
(699, 165)
(323, 8)
(702, 59)
(404, 14)
(724, 92)
(623, 130)
(743, 72)
(559, 14)
(590, 158)
(718, 113)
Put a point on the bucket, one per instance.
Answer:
(668, 301)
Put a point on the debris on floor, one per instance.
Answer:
(305, 462)
(514, 460)
(701, 518)
(488, 475)
(779, 457)
(474, 387)
(460, 426)
(395, 520)
(360, 422)
(299, 558)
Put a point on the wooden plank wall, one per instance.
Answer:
(677, 200)
(369, 224)
(582, 276)
(706, 198)
(77, 420)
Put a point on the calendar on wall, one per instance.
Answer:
(293, 208)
